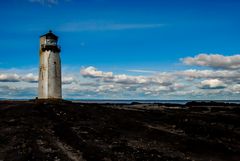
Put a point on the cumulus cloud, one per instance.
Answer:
(92, 72)
(235, 89)
(183, 84)
(67, 80)
(9, 78)
(31, 78)
(127, 86)
(212, 84)
(126, 79)
(106, 88)
(214, 61)
(220, 82)
(13, 92)
(193, 73)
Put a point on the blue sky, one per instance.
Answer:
(142, 40)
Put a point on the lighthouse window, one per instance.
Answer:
(50, 42)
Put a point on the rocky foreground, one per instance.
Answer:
(31, 131)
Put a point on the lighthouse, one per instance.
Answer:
(50, 83)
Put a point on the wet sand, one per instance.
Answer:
(66, 131)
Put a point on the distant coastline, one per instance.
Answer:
(155, 101)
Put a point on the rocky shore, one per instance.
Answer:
(65, 131)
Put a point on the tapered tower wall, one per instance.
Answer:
(54, 75)
(50, 83)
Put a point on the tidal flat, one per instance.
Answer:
(66, 131)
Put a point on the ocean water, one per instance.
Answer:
(153, 101)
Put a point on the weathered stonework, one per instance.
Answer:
(50, 84)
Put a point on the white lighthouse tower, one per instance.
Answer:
(50, 83)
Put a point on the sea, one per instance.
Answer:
(152, 101)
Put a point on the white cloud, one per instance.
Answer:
(193, 73)
(141, 71)
(68, 80)
(235, 89)
(214, 61)
(212, 84)
(106, 88)
(94, 83)
(104, 26)
(48, 3)
(45, 2)
(17, 77)
(9, 78)
(221, 83)
(31, 78)
(14, 91)
(186, 84)
(125, 79)
(93, 72)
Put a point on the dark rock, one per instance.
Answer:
(60, 130)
